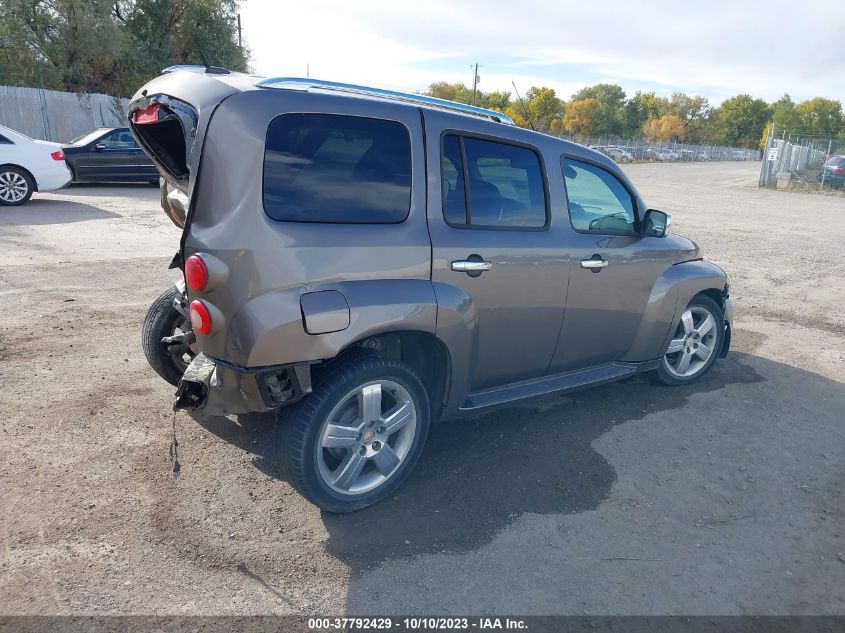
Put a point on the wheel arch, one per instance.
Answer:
(23, 169)
(422, 351)
(672, 292)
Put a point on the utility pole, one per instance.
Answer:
(240, 43)
(474, 83)
(824, 164)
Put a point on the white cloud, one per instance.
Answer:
(717, 48)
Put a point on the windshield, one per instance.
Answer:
(89, 136)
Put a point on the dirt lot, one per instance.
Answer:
(727, 497)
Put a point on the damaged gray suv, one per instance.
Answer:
(368, 262)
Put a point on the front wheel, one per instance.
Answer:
(354, 440)
(696, 343)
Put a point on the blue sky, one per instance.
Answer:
(716, 49)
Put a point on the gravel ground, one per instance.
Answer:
(721, 498)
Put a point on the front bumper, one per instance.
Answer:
(217, 388)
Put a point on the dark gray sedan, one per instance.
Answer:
(108, 155)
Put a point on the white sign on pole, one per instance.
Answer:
(773, 153)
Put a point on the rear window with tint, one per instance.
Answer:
(836, 161)
(334, 168)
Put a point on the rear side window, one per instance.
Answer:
(122, 139)
(5, 141)
(334, 168)
(504, 185)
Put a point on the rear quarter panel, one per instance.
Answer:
(383, 270)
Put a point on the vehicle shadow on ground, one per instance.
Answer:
(40, 211)
(478, 475)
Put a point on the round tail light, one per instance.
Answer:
(196, 273)
(200, 318)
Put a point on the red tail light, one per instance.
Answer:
(200, 318)
(839, 170)
(196, 273)
(147, 115)
(58, 155)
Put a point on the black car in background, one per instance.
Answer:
(108, 155)
(833, 172)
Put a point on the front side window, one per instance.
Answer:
(335, 168)
(504, 185)
(598, 201)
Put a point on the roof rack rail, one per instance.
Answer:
(197, 68)
(303, 83)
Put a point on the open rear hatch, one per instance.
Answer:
(168, 117)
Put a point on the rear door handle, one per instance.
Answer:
(594, 264)
(469, 266)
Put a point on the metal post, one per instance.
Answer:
(240, 43)
(474, 83)
(824, 163)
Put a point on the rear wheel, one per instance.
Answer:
(16, 186)
(696, 343)
(163, 319)
(355, 439)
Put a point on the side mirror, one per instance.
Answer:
(656, 223)
(100, 147)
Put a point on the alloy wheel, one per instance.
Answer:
(13, 186)
(693, 344)
(366, 437)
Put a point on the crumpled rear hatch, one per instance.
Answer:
(166, 128)
(168, 117)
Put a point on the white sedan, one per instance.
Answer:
(28, 165)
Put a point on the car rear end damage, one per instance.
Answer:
(169, 117)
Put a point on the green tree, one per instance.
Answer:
(820, 116)
(693, 112)
(640, 108)
(544, 107)
(498, 101)
(610, 118)
(165, 32)
(112, 47)
(784, 116)
(444, 90)
(69, 45)
(740, 121)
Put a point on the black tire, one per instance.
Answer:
(699, 302)
(162, 320)
(11, 176)
(298, 430)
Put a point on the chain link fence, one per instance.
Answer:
(810, 164)
(58, 116)
(628, 150)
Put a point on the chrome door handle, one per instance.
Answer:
(593, 264)
(469, 266)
